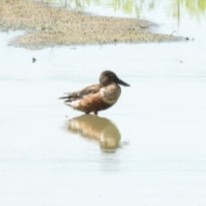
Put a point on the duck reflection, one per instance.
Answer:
(96, 128)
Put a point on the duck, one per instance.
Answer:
(96, 97)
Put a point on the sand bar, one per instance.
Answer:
(47, 26)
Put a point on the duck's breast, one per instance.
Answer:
(110, 94)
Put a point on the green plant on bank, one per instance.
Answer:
(193, 7)
(133, 6)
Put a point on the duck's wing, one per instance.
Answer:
(80, 94)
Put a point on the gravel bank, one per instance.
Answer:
(46, 26)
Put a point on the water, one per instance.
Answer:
(150, 147)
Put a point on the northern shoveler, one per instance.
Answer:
(98, 96)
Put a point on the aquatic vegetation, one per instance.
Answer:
(135, 7)
(195, 7)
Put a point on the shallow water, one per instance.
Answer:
(149, 149)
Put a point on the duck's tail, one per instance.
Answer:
(66, 98)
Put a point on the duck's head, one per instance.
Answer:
(107, 77)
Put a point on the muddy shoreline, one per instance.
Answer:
(47, 26)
